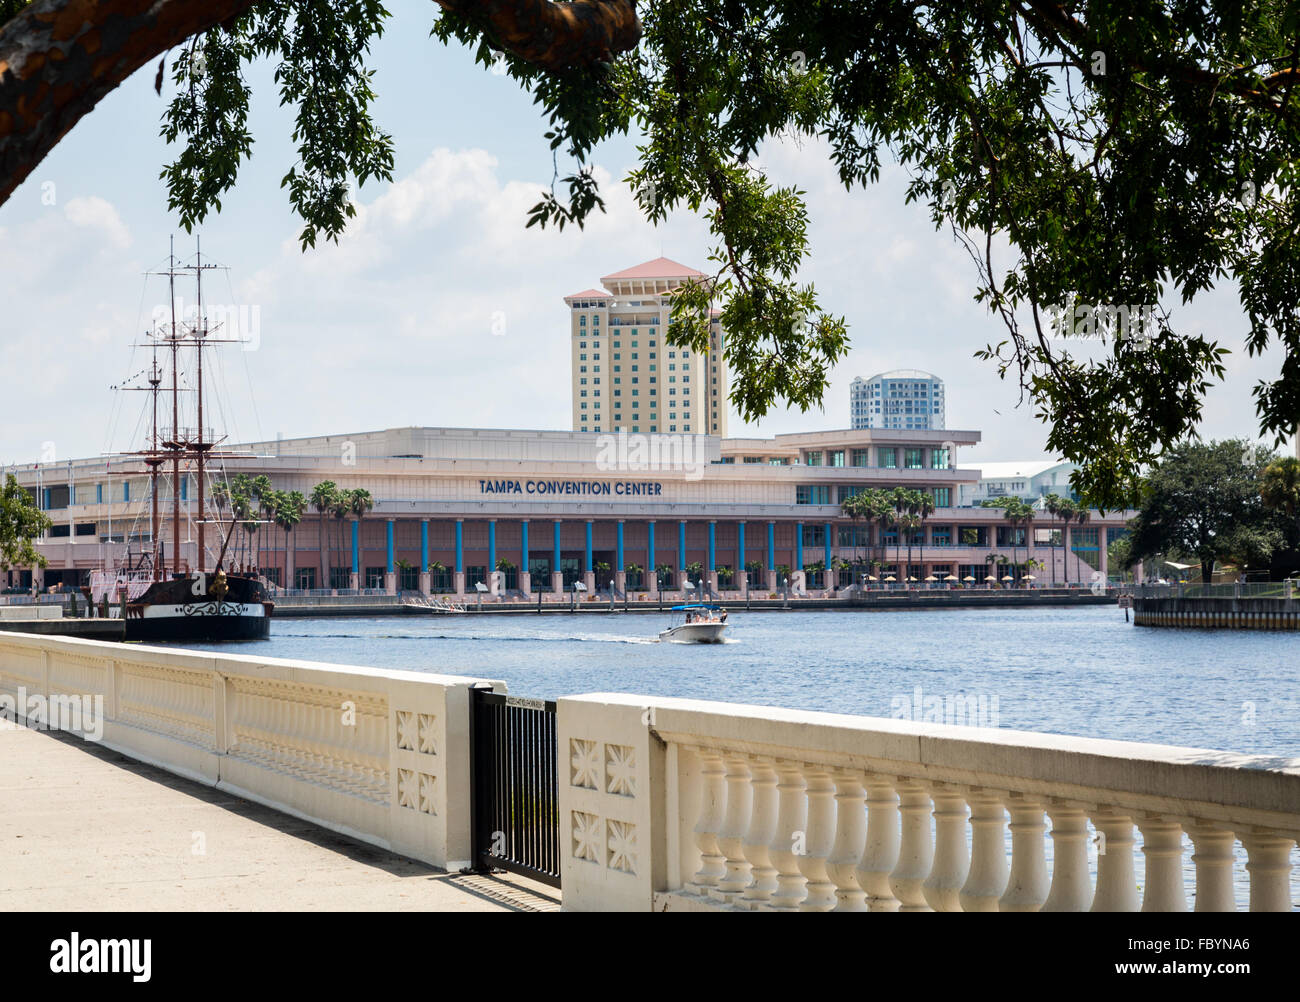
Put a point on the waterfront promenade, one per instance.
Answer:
(85, 828)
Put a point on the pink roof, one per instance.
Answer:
(589, 294)
(660, 267)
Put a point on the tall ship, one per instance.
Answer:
(160, 595)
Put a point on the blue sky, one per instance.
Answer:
(394, 326)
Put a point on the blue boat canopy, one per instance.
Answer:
(680, 608)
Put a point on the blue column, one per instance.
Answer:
(681, 545)
(388, 544)
(740, 546)
(798, 547)
(771, 546)
(587, 568)
(713, 541)
(492, 545)
(828, 554)
(650, 549)
(460, 546)
(523, 546)
(424, 545)
(555, 567)
(356, 547)
(619, 564)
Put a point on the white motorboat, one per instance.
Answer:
(702, 624)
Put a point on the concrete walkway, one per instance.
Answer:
(83, 828)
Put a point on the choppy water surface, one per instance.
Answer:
(1068, 671)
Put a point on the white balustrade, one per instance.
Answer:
(380, 755)
(801, 811)
(850, 840)
(1071, 890)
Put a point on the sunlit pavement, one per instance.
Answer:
(84, 828)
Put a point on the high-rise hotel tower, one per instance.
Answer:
(625, 375)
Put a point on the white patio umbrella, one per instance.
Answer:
(969, 577)
(891, 578)
(931, 577)
(910, 578)
(872, 577)
(1007, 577)
(1030, 577)
(991, 577)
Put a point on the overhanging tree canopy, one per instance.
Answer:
(1127, 154)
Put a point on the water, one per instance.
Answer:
(1067, 671)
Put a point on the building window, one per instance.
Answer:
(914, 459)
(943, 497)
(813, 458)
(835, 457)
(861, 457)
(888, 458)
(938, 459)
(812, 494)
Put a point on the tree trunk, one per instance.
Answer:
(59, 58)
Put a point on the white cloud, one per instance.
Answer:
(93, 212)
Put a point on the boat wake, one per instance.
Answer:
(576, 638)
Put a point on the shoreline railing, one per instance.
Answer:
(755, 808)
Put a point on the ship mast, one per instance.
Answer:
(175, 443)
(155, 379)
(199, 332)
(200, 445)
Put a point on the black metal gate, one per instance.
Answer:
(513, 771)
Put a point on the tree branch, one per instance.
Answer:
(58, 58)
(556, 36)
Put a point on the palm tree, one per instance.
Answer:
(359, 502)
(1082, 515)
(992, 560)
(288, 513)
(1027, 526)
(340, 511)
(436, 569)
(908, 523)
(854, 508)
(924, 508)
(633, 570)
(663, 570)
(322, 499)
(1052, 505)
(1065, 511)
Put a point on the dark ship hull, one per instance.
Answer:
(199, 608)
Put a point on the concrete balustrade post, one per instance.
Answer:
(987, 879)
(1027, 882)
(1162, 845)
(916, 848)
(820, 835)
(850, 838)
(1071, 889)
(951, 859)
(791, 834)
(1212, 854)
(712, 805)
(1116, 880)
(880, 855)
(762, 830)
(735, 823)
(1269, 866)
